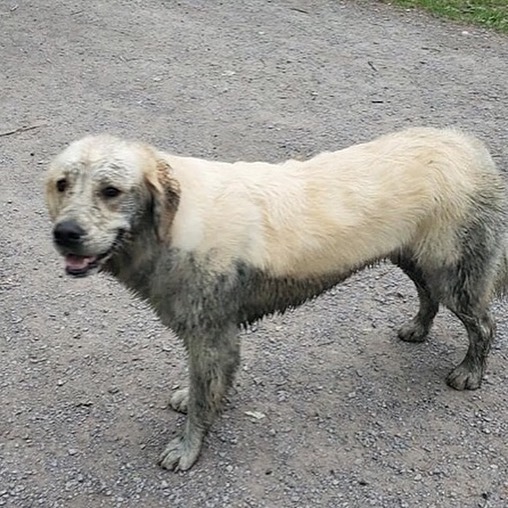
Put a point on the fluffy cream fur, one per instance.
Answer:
(336, 210)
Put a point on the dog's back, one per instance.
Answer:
(414, 189)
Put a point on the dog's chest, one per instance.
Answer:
(188, 296)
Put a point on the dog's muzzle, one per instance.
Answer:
(69, 236)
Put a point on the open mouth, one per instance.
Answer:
(81, 266)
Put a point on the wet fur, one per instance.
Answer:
(211, 249)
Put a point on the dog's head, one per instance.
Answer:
(99, 191)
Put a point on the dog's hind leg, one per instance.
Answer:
(467, 289)
(418, 328)
(214, 357)
(480, 329)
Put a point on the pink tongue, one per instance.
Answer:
(78, 262)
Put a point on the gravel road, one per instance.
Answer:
(330, 409)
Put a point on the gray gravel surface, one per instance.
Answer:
(352, 417)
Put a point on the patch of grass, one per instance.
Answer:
(488, 13)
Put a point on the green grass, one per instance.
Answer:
(487, 13)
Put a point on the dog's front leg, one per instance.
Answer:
(213, 359)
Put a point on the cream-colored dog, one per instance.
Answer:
(214, 246)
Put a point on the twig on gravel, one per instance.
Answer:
(297, 9)
(21, 129)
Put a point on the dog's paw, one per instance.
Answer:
(180, 454)
(412, 332)
(465, 378)
(179, 400)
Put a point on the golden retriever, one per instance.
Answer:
(213, 246)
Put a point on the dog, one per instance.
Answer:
(214, 246)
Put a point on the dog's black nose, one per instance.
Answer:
(68, 233)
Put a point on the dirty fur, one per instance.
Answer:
(214, 246)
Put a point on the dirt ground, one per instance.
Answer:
(352, 417)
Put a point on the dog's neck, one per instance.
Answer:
(135, 261)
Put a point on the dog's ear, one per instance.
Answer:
(164, 197)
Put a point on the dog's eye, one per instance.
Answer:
(110, 192)
(61, 185)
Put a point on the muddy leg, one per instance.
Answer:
(467, 291)
(213, 360)
(418, 328)
(480, 329)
